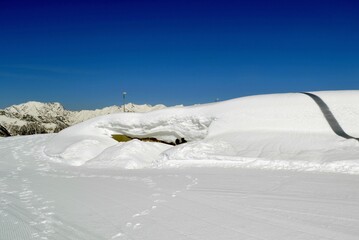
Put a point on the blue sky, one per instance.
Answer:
(85, 53)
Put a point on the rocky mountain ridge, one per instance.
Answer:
(37, 117)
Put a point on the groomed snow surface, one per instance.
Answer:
(261, 167)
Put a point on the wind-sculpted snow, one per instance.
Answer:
(279, 131)
(88, 140)
(162, 127)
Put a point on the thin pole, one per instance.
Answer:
(124, 101)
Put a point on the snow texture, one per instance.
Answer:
(278, 131)
(52, 117)
(42, 199)
(221, 184)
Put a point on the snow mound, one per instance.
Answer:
(81, 151)
(162, 127)
(277, 131)
(134, 154)
(95, 135)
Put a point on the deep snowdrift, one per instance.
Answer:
(267, 131)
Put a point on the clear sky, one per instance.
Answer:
(85, 53)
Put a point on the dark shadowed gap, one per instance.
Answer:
(124, 138)
(332, 121)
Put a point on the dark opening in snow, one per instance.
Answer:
(124, 138)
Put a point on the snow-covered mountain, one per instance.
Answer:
(36, 117)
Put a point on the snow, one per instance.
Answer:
(277, 131)
(130, 155)
(345, 106)
(51, 116)
(83, 115)
(42, 199)
(36, 109)
(262, 167)
(11, 121)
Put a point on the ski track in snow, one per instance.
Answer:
(21, 205)
(157, 198)
(41, 199)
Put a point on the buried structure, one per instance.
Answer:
(124, 138)
(277, 131)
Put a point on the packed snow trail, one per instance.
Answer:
(41, 199)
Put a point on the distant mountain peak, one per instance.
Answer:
(37, 117)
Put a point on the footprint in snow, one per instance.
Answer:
(118, 235)
(143, 213)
